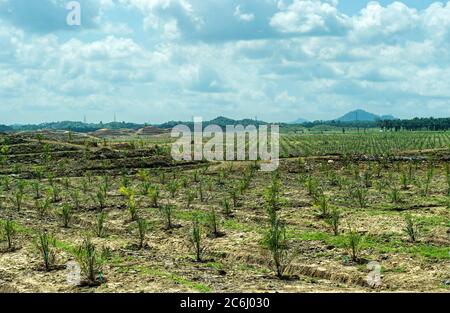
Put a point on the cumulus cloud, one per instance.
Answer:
(155, 60)
(310, 17)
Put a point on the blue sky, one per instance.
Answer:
(158, 60)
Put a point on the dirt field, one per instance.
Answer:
(45, 182)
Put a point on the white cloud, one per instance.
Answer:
(246, 17)
(310, 17)
(154, 60)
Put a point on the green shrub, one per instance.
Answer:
(213, 223)
(9, 230)
(142, 226)
(447, 176)
(196, 238)
(55, 192)
(323, 207)
(395, 194)
(100, 229)
(90, 263)
(153, 194)
(234, 197)
(191, 194)
(43, 207)
(411, 228)
(311, 186)
(37, 189)
(167, 213)
(360, 195)
(172, 187)
(354, 242)
(66, 215)
(75, 195)
(17, 199)
(272, 194)
(276, 242)
(132, 208)
(46, 245)
(334, 220)
(100, 197)
(226, 207)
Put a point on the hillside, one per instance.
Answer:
(361, 115)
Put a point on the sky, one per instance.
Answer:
(278, 60)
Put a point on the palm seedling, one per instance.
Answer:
(367, 178)
(428, 180)
(100, 228)
(311, 186)
(153, 194)
(172, 187)
(85, 185)
(46, 245)
(404, 180)
(167, 211)
(42, 207)
(4, 150)
(234, 197)
(75, 195)
(143, 175)
(360, 195)
(66, 215)
(201, 195)
(276, 242)
(395, 194)
(447, 176)
(55, 191)
(37, 189)
(334, 220)
(354, 242)
(100, 198)
(191, 194)
(145, 186)
(213, 224)
(196, 238)
(323, 206)
(105, 183)
(66, 183)
(17, 199)
(6, 183)
(210, 186)
(142, 226)
(272, 195)
(8, 232)
(183, 182)
(132, 208)
(196, 177)
(226, 207)
(125, 181)
(90, 263)
(411, 228)
(162, 177)
(221, 177)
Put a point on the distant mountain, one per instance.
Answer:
(299, 121)
(363, 116)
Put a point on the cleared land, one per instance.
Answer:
(139, 208)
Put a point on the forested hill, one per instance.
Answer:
(79, 127)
